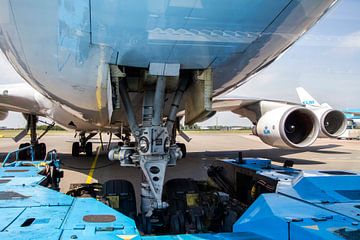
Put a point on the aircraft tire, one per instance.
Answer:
(146, 224)
(122, 196)
(182, 147)
(24, 154)
(177, 223)
(88, 149)
(40, 151)
(75, 149)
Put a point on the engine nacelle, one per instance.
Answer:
(3, 115)
(332, 122)
(288, 127)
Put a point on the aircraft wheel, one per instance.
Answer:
(182, 147)
(40, 151)
(43, 150)
(146, 224)
(177, 223)
(75, 149)
(88, 149)
(24, 154)
(198, 224)
(121, 196)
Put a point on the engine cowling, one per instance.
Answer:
(332, 122)
(288, 127)
(3, 115)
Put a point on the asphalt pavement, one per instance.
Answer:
(325, 154)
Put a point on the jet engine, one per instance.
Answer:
(289, 127)
(332, 122)
(3, 115)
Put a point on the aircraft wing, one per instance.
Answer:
(231, 104)
(247, 107)
(23, 98)
(234, 103)
(352, 113)
(20, 97)
(332, 122)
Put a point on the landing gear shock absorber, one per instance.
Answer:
(83, 145)
(39, 148)
(154, 149)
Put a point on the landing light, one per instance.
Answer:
(143, 144)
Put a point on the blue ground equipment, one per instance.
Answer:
(260, 200)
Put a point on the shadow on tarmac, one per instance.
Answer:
(275, 154)
(193, 166)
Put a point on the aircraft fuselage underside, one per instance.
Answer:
(72, 43)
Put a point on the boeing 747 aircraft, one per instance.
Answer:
(21, 97)
(134, 65)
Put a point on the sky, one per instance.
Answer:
(325, 61)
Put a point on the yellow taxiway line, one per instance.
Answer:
(93, 165)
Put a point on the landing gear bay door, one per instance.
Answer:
(198, 97)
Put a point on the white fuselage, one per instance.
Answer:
(21, 97)
(63, 48)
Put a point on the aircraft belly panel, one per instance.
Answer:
(62, 47)
(192, 33)
(288, 26)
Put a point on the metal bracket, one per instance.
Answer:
(184, 136)
(164, 69)
(154, 172)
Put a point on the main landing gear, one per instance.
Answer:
(83, 145)
(38, 148)
(155, 147)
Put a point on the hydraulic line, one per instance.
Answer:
(128, 108)
(159, 100)
(175, 105)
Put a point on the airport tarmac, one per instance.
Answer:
(329, 154)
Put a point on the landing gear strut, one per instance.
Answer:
(38, 148)
(83, 145)
(154, 148)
